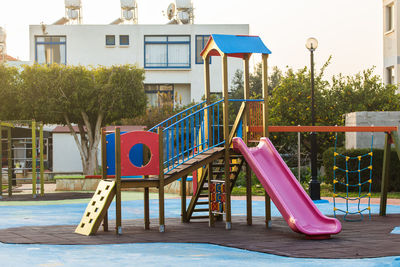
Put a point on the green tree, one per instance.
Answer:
(290, 99)
(8, 95)
(87, 97)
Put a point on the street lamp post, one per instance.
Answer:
(312, 45)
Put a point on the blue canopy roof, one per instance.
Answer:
(238, 45)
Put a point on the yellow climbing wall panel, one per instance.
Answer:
(97, 208)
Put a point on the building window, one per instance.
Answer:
(201, 41)
(124, 40)
(159, 94)
(167, 51)
(110, 40)
(389, 9)
(50, 49)
(390, 75)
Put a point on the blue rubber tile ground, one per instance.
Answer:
(161, 254)
(155, 254)
(70, 214)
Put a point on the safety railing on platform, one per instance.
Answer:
(188, 137)
(178, 116)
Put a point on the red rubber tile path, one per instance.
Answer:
(365, 239)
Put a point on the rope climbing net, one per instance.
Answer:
(341, 178)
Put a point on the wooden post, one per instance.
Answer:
(10, 165)
(104, 166)
(118, 216)
(228, 216)
(183, 198)
(104, 171)
(34, 158)
(207, 113)
(246, 118)
(41, 143)
(1, 162)
(265, 128)
(385, 175)
(211, 218)
(396, 142)
(146, 193)
(161, 180)
(146, 209)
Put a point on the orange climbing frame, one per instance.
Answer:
(296, 129)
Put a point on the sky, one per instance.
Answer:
(349, 30)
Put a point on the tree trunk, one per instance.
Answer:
(89, 142)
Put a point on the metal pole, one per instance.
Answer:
(34, 159)
(10, 164)
(314, 183)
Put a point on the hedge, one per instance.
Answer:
(377, 164)
(69, 176)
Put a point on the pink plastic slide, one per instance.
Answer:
(285, 191)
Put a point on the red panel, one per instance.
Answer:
(128, 140)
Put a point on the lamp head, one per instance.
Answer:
(312, 44)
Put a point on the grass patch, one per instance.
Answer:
(256, 190)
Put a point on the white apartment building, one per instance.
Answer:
(391, 44)
(170, 53)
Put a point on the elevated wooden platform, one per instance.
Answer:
(186, 168)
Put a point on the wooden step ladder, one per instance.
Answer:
(97, 208)
(200, 200)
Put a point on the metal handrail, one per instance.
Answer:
(165, 122)
(186, 138)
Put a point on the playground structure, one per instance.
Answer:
(20, 162)
(192, 140)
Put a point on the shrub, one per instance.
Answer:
(377, 164)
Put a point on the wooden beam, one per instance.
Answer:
(103, 155)
(161, 180)
(228, 215)
(207, 79)
(118, 215)
(139, 183)
(385, 175)
(237, 121)
(396, 142)
(211, 219)
(246, 120)
(207, 92)
(295, 129)
(249, 212)
(6, 124)
(246, 95)
(146, 209)
(1, 161)
(265, 127)
(104, 171)
(41, 144)
(196, 195)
